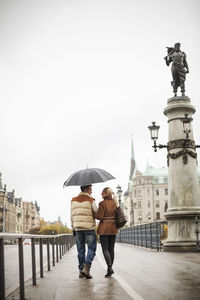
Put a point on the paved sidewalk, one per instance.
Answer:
(140, 274)
(62, 283)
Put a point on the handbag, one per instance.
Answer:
(120, 218)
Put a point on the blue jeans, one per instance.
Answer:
(86, 237)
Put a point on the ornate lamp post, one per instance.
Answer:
(179, 143)
(183, 184)
(119, 193)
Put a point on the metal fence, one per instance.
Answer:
(60, 244)
(144, 235)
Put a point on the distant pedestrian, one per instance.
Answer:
(83, 225)
(107, 228)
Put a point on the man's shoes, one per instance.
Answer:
(109, 272)
(86, 271)
(81, 275)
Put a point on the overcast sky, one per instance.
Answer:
(77, 78)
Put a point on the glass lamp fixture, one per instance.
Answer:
(187, 125)
(154, 136)
(154, 131)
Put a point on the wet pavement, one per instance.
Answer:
(12, 264)
(139, 274)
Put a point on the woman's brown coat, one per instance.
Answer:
(106, 215)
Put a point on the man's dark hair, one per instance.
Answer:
(85, 187)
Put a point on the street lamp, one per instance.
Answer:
(187, 128)
(187, 125)
(119, 193)
(154, 136)
(180, 143)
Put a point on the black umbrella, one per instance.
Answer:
(88, 176)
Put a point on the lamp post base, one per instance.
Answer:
(180, 247)
(181, 231)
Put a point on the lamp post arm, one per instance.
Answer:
(155, 146)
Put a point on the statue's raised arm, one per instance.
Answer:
(179, 67)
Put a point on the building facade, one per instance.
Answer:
(30, 216)
(14, 212)
(146, 199)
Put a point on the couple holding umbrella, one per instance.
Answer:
(83, 214)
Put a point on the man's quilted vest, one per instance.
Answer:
(81, 209)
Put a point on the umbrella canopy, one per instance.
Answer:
(88, 176)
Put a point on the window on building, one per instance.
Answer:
(156, 180)
(138, 192)
(139, 205)
(139, 181)
(157, 216)
(157, 204)
(135, 193)
(149, 204)
(157, 192)
(148, 192)
(166, 191)
(165, 179)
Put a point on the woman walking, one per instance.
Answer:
(107, 228)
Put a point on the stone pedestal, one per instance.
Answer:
(184, 190)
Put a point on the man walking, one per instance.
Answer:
(83, 226)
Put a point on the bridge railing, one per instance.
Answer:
(143, 235)
(60, 244)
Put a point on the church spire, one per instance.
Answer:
(133, 162)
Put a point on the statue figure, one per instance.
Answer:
(179, 67)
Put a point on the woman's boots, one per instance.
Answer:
(109, 272)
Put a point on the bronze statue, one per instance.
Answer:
(179, 67)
